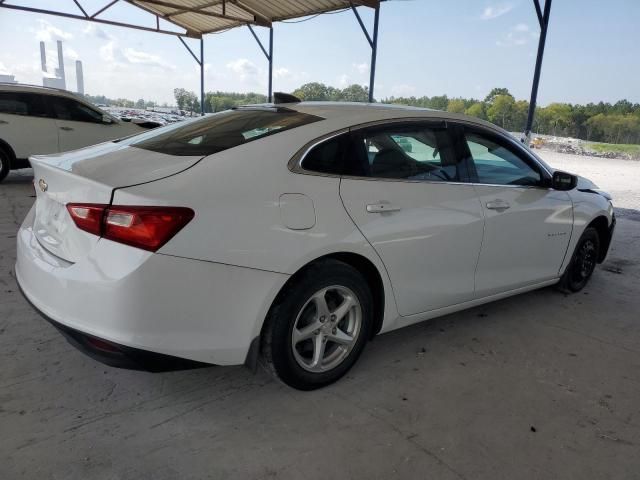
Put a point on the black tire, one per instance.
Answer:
(5, 164)
(583, 262)
(297, 300)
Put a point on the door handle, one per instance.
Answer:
(382, 207)
(2, 122)
(67, 129)
(498, 205)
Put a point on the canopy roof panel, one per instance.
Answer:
(198, 17)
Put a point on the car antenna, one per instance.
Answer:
(281, 97)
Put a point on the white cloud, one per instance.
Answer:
(282, 73)
(494, 11)
(344, 80)
(71, 53)
(144, 58)
(517, 36)
(403, 90)
(95, 31)
(361, 68)
(243, 68)
(47, 32)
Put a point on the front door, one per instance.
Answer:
(527, 225)
(406, 195)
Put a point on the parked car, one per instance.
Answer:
(293, 233)
(38, 120)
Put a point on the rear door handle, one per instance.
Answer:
(498, 205)
(382, 207)
(2, 122)
(67, 129)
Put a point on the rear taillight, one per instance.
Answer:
(143, 227)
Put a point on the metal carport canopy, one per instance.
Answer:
(200, 17)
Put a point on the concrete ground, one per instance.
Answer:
(541, 385)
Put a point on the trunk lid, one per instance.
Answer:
(89, 175)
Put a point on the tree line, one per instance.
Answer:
(600, 122)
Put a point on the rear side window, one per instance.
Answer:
(221, 131)
(328, 157)
(22, 103)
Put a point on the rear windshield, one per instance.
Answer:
(214, 133)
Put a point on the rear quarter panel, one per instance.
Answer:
(236, 196)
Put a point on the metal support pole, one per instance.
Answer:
(373, 43)
(544, 24)
(267, 54)
(270, 64)
(201, 76)
(374, 53)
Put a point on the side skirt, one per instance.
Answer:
(420, 317)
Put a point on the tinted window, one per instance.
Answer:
(407, 152)
(21, 103)
(70, 109)
(221, 131)
(326, 157)
(497, 164)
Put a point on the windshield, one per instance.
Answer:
(221, 131)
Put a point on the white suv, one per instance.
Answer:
(38, 120)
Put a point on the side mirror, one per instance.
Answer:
(107, 119)
(563, 181)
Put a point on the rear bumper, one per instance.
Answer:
(143, 303)
(115, 355)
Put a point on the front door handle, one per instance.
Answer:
(498, 205)
(382, 207)
(2, 122)
(66, 129)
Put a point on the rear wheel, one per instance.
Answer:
(5, 164)
(583, 262)
(319, 327)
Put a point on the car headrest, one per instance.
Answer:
(390, 163)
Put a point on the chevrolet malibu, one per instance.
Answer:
(290, 234)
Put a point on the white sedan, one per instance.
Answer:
(293, 233)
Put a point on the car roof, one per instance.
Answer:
(24, 87)
(351, 113)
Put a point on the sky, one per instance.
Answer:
(426, 47)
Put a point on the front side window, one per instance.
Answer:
(496, 164)
(70, 109)
(22, 103)
(220, 131)
(407, 152)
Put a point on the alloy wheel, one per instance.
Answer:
(326, 329)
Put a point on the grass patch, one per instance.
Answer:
(629, 149)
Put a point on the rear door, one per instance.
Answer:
(406, 192)
(527, 224)
(26, 124)
(80, 125)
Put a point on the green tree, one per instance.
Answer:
(456, 105)
(140, 103)
(501, 109)
(312, 91)
(355, 93)
(476, 110)
(495, 92)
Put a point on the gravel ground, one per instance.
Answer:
(621, 178)
(538, 386)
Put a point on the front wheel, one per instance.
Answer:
(5, 164)
(319, 326)
(583, 262)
